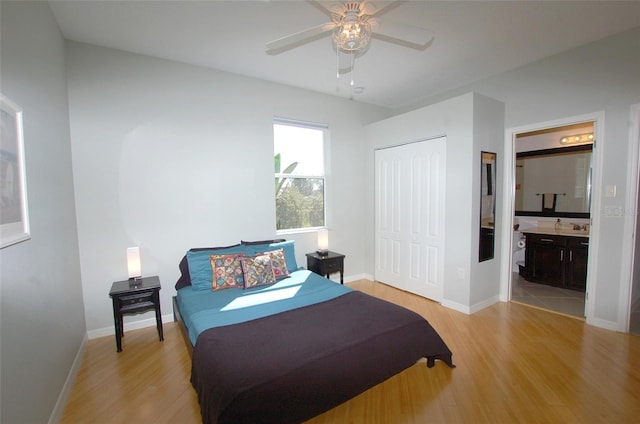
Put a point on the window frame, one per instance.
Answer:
(325, 151)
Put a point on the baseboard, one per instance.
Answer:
(58, 409)
(607, 325)
(351, 278)
(456, 306)
(135, 325)
(484, 304)
(466, 309)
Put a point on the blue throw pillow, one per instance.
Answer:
(289, 251)
(200, 265)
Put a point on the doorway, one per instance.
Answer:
(554, 290)
(552, 206)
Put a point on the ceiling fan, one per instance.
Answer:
(352, 25)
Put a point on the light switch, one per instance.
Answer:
(610, 191)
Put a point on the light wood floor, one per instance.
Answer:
(514, 364)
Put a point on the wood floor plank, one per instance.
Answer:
(514, 364)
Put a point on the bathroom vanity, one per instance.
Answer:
(557, 258)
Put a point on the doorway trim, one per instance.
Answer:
(508, 205)
(631, 220)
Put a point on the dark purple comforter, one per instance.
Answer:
(289, 367)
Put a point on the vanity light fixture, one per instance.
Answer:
(580, 138)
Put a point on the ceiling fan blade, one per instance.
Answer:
(403, 35)
(326, 8)
(387, 7)
(299, 38)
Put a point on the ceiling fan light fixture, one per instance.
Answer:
(352, 32)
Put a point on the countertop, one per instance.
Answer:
(558, 232)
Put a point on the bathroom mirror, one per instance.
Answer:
(487, 205)
(554, 182)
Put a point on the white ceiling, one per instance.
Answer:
(473, 39)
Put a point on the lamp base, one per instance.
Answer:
(322, 252)
(135, 281)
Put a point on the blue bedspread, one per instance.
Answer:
(202, 310)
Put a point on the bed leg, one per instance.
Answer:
(431, 361)
(173, 303)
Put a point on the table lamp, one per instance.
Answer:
(323, 242)
(133, 265)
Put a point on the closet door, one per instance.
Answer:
(391, 237)
(409, 211)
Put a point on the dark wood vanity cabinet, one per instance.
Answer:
(578, 250)
(557, 260)
(544, 259)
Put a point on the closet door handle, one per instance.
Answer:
(561, 255)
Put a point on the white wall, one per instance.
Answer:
(488, 133)
(456, 119)
(168, 156)
(42, 314)
(601, 76)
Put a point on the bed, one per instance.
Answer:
(290, 349)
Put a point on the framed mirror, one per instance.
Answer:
(554, 182)
(487, 205)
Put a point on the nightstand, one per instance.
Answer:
(326, 264)
(134, 299)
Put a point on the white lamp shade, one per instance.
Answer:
(133, 262)
(323, 239)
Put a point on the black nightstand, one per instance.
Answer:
(134, 299)
(326, 264)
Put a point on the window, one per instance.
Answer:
(299, 174)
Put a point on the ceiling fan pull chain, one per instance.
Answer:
(353, 64)
(337, 62)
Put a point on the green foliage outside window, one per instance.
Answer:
(299, 200)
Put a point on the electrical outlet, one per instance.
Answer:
(610, 191)
(613, 211)
(461, 273)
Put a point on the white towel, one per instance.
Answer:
(548, 199)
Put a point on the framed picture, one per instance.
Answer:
(14, 216)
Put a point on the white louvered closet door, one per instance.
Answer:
(409, 217)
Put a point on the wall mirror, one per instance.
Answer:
(487, 205)
(554, 182)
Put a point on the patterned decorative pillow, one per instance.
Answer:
(199, 270)
(278, 264)
(227, 271)
(288, 246)
(257, 270)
